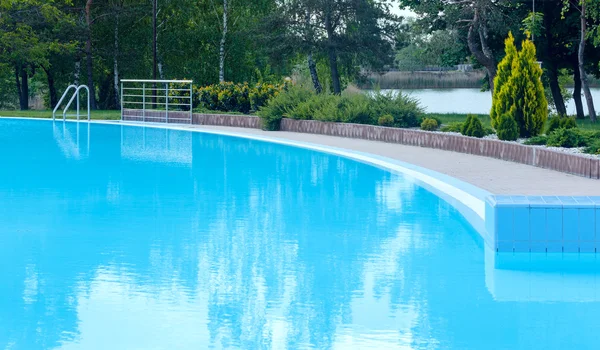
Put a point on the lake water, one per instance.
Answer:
(470, 100)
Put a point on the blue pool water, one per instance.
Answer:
(121, 237)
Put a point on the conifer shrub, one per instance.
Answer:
(473, 127)
(429, 124)
(518, 90)
(558, 122)
(502, 99)
(507, 128)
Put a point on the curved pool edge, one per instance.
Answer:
(535, 224)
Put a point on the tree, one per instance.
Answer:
(519, 92)
(581, 6)
(502, 98)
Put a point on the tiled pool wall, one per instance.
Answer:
(543, 224)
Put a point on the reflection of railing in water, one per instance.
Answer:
(156, 145)
(70, 147)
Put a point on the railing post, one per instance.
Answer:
(121, 101)
(144, 102)
(191, 103)
(167, 102)
(77, 93)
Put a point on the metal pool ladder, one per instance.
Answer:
(73, 97)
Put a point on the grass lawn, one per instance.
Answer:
(100, 115)
(485, 120)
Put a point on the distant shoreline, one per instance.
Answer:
(432, 80)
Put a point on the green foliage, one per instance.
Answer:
(519, 91)
(386, 120)
(502, 99)
(281, 105)
(405, 109)
(301, 103)
(429, 124)
(572, 138)
(557, 122)
(230, 97)
(452, 127)
(537, 140)
(593, 147)
(473, 127)
(507, 128)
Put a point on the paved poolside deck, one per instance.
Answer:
(494, 175)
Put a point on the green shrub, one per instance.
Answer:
(570, 138)
(386, 120)
(429, 124)
(406, 110)
(558, 122)
(473, 127)
(519, 91)
(507, 128)
(452, 127)
(593, 147)
(281, 105)
(299, 103)
(230, 97)
(537, 140)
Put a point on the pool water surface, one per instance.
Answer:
(124, 237)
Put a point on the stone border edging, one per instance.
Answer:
(508, 151)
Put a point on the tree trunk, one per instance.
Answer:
(312, 67)
(481, 50)
(559, 102)
(22, 86)
(581, 61)
(116, 64)
(577, 92)
(222, 44)
(88, 52)
(51, 87)
(331, 52)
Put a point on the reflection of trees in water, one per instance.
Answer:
(277, 240)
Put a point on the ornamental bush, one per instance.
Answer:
(507, 128)
(230, 97)
(386, 120)
(429, 124)
(568, 138)
(520, 93)
(473, 127)
(502, 99)
(558, 122)
(452, 127)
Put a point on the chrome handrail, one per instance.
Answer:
(76, 95)
(61, 100)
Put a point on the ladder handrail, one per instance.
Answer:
(61, 100)
(76, 95)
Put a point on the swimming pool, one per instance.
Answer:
(126, 237)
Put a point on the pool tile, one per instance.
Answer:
(490, 220)
(552, 202)
(554, 246)
(505, 246)
(521, 224)
(504, 223)
(570, 224)
(569, 202)
(571, 246)
(554, 224)
(522, 246)
(520, 201)
(502, 200)
(537, 224)
(587, 225)
(596, 201)
(538, 246)
(598, 224)
(587, 247)
(583, 200)
(536, 202)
